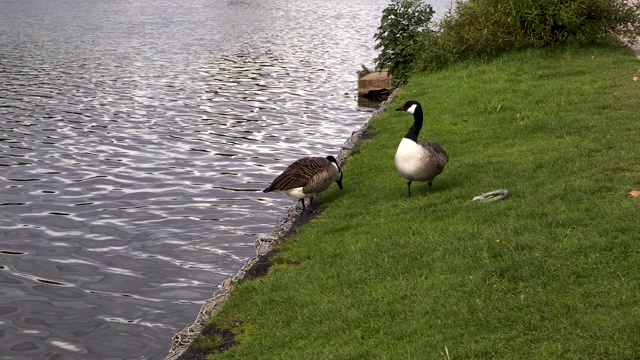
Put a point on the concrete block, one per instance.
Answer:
(374, 81)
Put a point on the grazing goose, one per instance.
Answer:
(307, 177)
(418, 160)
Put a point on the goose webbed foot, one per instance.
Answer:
(314, 210)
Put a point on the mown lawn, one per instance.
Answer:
(551, 272)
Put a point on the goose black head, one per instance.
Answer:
(410, 106)
(333, 160)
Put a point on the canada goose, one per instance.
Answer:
(418, 160)
(307, 177)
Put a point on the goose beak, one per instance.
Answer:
(339, 182)
(401, 108)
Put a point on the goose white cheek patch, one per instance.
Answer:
(412, 109)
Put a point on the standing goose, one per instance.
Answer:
(418, 160)
(307, 177)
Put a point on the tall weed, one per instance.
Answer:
(481, 28)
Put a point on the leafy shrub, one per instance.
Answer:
(403, 24)
(478, 28)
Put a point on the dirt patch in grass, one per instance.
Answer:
(200, 347)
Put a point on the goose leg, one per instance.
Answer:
(408, 188)
(302, 201)
(430, 183)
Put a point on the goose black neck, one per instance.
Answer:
(414, 131)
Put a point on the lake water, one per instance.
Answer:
(135, 139)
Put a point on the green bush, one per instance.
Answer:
(479, 28)
(403, 23)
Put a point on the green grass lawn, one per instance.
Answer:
(551, 272)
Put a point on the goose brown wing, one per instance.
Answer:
(298, 173)
(322, 178)
(439, 157)
(435, 148)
